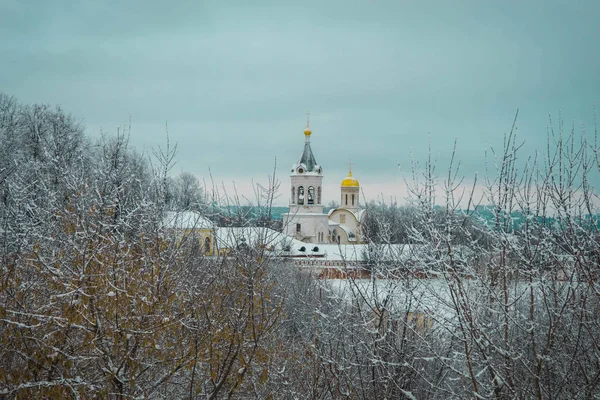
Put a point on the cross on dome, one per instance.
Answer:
(307, 131)
(350, 181)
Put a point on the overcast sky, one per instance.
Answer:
(235, 79)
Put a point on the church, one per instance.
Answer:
(306, 220)
(320, 241)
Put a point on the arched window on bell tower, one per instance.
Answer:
(319, 195)
(311, 195)
(293, 195)
(300, 195)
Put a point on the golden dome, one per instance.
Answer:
(350, 181)
(307, 131)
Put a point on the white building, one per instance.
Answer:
(306, 221)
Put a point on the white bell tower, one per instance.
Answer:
(305, 220)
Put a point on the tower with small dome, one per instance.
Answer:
(345, 221)
(350, 192)
(305, 220)
(307, 179)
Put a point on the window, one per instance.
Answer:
(342, 218)
(298, 228)
(352, 199)
(207, 245)
(419, 321)
(300, 195)
(346, 199)
(293, 195)
(311, 195)
(319, 195)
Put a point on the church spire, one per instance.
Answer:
(307, 158)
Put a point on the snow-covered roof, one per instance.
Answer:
(298, 214)
(349, 233)
(352, 253)
(232, 237)
(358, 214)
(281, 245)
(310, 173)
(307, 159)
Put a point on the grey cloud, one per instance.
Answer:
(235, 79)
